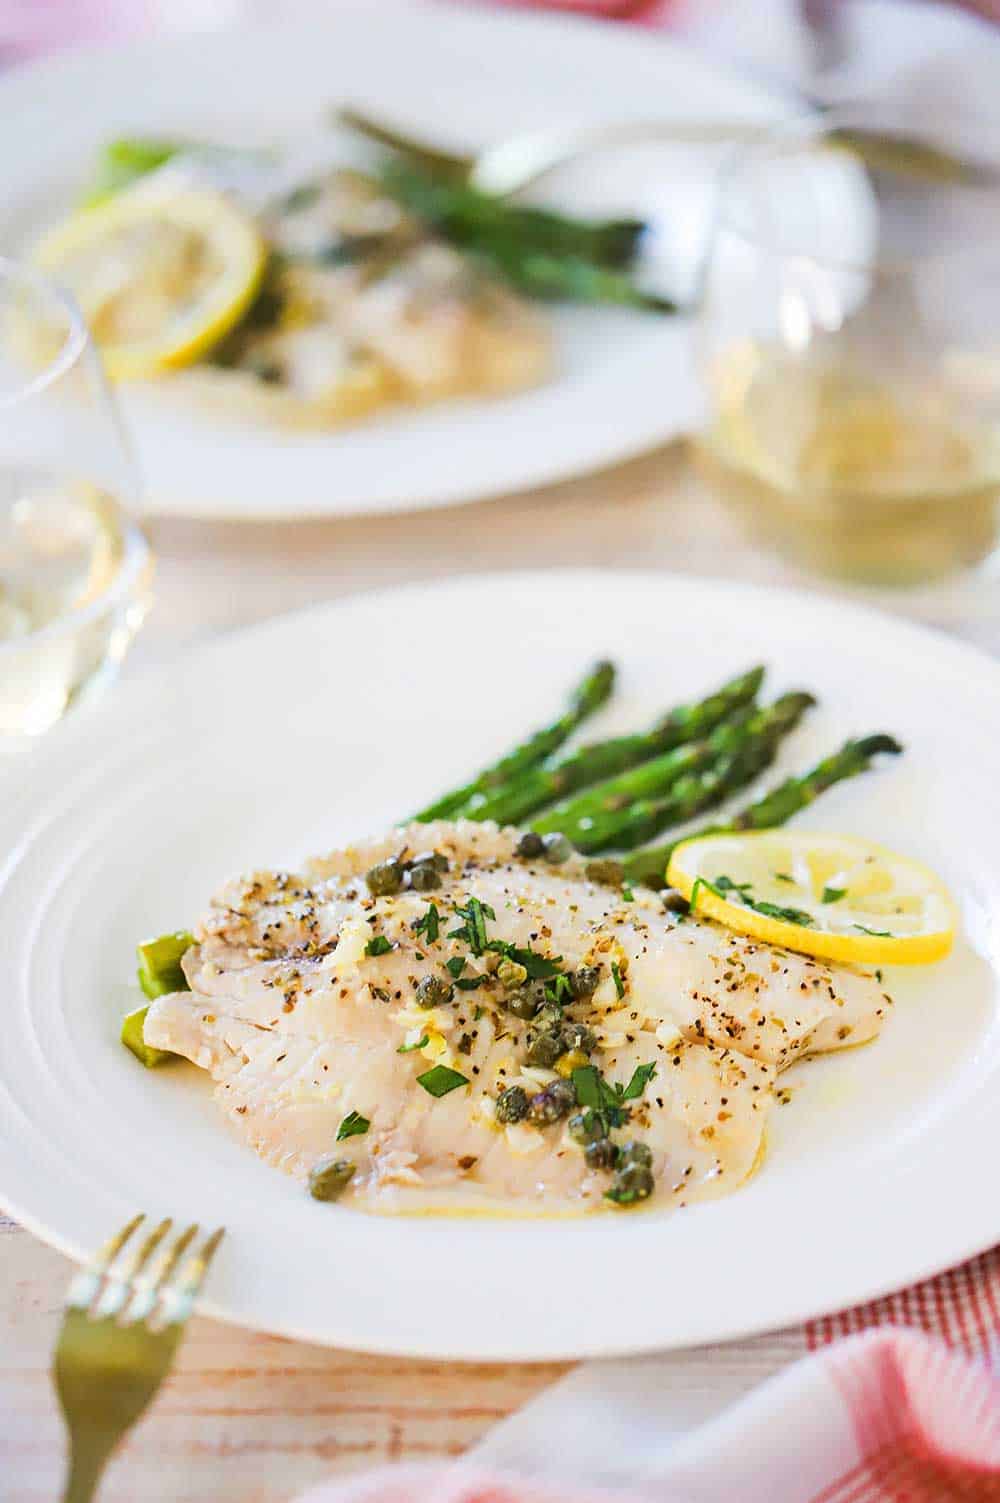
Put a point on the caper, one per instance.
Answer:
(632, 1182)
(510, 974)
(673, 902)
(512, 1104)
(608, 873)
(587, 1126)
(424, 877)
(556, 1101)
(579, 1036)
(601, 1154)
(330, 1177)
(549, 1017)
(543, 1051)
(529, 845)
(526, 1001)
(432, 991)
(385, 878)
(636, 1153)
(556, 848)
(584, 981)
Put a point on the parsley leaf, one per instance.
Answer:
(378, 945)
(774, 910)
(469, 983)
(456, 965)
(641, 1077)
(353, 1126)
(560, 988)
(627, 893)
(429, 924)
(619, 983)
(409, 1048)
(473, 930)
(833, 894)
(538, 967)
(594, 1091)
(876, 933)
(725, 887)
(441, 1080)
(783, 877)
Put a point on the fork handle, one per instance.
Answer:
(88, 1459)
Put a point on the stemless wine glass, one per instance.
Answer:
(75, 568)
(850, 343)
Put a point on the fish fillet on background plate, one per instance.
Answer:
(304, 1006)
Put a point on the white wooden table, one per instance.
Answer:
(256, 1418)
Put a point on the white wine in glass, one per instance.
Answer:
(850, 352)
(75, 567)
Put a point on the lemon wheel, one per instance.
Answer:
(827, 895)
(160, 274)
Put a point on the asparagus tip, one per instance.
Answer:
(870, 746)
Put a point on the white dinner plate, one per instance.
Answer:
(295, 736)
(625, 381)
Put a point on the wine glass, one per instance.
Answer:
(849, 345)
(75, 567)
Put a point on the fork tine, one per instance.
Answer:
(178, 1297)
(88, 1281)
(120, 1284)
(145, 1296)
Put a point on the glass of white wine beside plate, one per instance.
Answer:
(850, 346)
(75, 567)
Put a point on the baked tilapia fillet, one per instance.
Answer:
(466, 1028)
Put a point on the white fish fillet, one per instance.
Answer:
(300, 1027)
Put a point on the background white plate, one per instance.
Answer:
(467, 78)
(293, 736)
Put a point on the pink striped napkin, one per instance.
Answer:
(895, 1402)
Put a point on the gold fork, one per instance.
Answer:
(123, 1321)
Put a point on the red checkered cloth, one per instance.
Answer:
(897, 1401)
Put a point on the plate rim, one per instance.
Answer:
(97, 721)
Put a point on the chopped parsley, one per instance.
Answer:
(775, 910)
(420, 1043)
(619, 983)
(560, 989)
(456, 965)
(783, 877)
(641, 1076)
(473, 930)
(833, 894)
(440, 1080)
(353, 1126)
(538, 967)
(378, 945)
(627, 893)
(609, 1098)
(724, 887)
(875, 933)
(429, 925)
(469, 983)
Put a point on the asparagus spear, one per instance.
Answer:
(696, 792)
(545, 255)
(539, 786)
(592, 691)
(602, 816)
(776, 807)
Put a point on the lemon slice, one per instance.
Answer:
(160, 273)
(827, 895)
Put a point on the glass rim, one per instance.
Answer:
(811, 133)
(77, 339)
